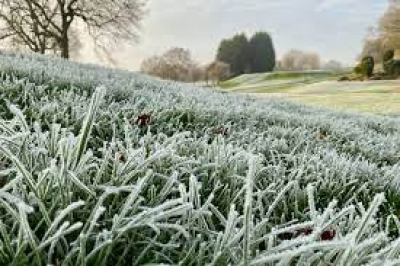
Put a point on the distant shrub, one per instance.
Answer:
(388, 55)
(345, 78)
(359, 69)
(365, 67)
(392, 68)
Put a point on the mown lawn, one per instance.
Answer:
(377, 103)
(377, 97)
(271, 82)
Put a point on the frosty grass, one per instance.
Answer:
(208, 178)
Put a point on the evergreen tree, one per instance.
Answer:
(234, 52)
(261, 53)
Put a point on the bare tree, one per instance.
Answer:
(217, 71)
(288, 61)
(20, 27)
(42, 25)
(390, 26)
(154, 66)
(175, 64)
(197, 73)
(373, 47)
(296, 60)
(333, 65)
(178, 63)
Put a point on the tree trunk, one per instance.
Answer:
(42, 44)
(64, 46)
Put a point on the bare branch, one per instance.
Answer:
(42, 25)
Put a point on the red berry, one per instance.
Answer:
(328, 235)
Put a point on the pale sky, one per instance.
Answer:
(333, 28)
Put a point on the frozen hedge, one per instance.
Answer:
(107, 167)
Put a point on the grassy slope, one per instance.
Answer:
(272, 82)
(380, 97)
(84, 184)
(321, 89)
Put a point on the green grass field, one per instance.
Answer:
(276, 81)
(322, 89)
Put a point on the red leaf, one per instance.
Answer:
(143, 120)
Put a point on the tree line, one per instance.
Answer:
(57, 27)
(179, 65)
(235, 56)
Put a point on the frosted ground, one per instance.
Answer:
(106, 167)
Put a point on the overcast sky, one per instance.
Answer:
(333, 28)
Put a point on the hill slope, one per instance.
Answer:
(321, 89)
(276, 81)
(107, 167)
